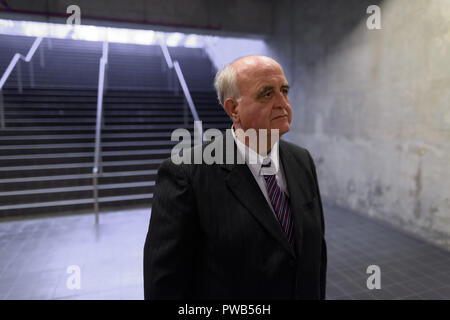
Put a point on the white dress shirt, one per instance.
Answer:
(254, 162)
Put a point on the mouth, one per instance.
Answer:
(279, 117)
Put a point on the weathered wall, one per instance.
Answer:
(373, 106)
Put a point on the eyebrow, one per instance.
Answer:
(268, 88)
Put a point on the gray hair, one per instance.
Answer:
(226, 85)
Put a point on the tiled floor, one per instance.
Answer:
(35, 254)
(409, 268)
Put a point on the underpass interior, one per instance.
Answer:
(372, 106)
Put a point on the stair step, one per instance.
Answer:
(106, 164)
(114, 127)
(79, 176)
(92, 94)
(92, 100)
(123, 113)
(126, 108)
(85, 154)
(81, 121)
(63, 137)
(78, 188)
(72, 202)
(88, 145)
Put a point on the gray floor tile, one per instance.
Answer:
(35, 253)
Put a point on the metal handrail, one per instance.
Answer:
(166, 53)
(8, 71)
(175, 65)
(98, 166)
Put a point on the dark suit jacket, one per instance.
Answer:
(212, 235)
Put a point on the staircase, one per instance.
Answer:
(47, 148)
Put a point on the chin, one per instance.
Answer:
(282, 124)
(284, 128)
(283, 132)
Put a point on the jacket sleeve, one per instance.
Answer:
(323, 262)
(171, 239)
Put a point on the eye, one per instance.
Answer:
(268, 94)
(285, 91)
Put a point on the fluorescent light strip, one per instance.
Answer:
(96, 33)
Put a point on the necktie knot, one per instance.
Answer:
(266, 168)
(266, 162)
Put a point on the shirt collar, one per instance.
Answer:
(253, 159)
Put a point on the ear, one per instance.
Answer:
(231, 108)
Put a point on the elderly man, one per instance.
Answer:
(244, 230)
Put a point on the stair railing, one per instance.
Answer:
(176, 66)
(98, 166)
(8, 71)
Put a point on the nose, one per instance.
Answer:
(281, 101)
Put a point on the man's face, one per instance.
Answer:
(264, 102)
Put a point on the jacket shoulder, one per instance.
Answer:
(300, 153)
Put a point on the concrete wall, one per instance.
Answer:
(373, 106)
(219, 16)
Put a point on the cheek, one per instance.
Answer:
(289, 114)
(249, 119)
(258, 116)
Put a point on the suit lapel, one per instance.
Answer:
(242, 184)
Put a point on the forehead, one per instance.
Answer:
(255, 73)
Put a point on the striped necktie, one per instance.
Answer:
(280, 204)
